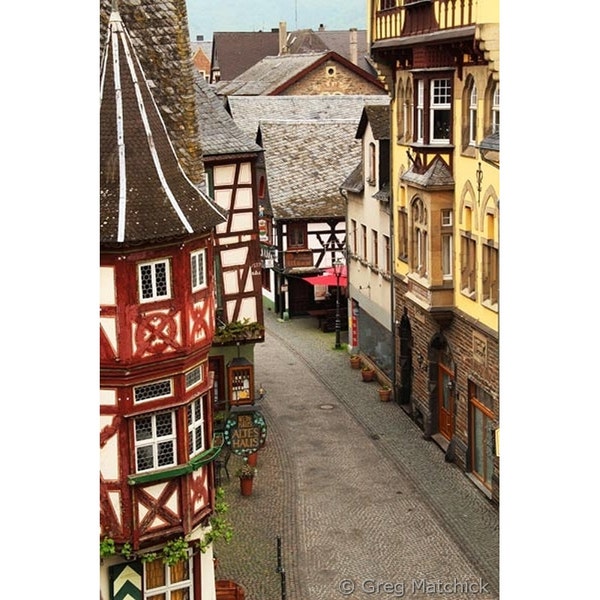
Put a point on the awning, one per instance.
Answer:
(327, 279)
(330, 271)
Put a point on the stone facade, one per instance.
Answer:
(332, 78)
(475, 355)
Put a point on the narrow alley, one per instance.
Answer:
(363, 504)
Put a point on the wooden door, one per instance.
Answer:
(445, 402)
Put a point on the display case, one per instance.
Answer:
(240, 382)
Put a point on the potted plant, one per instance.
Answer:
(246, 474)
(355, 361)
(368, 373)
(385, 393)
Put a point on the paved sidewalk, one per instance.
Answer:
(357, 495)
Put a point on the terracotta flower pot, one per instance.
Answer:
(246, 485)
(253, 459)
(367, 375)
(355, 362)
(385, 395)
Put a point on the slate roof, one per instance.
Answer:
(306, 163)
(267, 74)
(248, 111)
(491, 142)
(219, 135)
(355, 181)
(378, 117)
(144, 194)
(236, 51)
(159, 33)
(437, 175)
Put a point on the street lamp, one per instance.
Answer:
(338, 265)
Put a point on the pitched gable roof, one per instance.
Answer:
(268, 74)
(305, 163)
(274, 74)
(379, 119)
(144, 193)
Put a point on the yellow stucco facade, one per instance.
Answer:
(440, 61)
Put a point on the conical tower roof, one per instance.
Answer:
(145, 195)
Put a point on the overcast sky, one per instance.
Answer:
(208, 16)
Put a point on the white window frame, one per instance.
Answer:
(198, 271)
(153, 266)
(420, 110)
(473, 116)
(168, 588)
(440, 101)
(195, 423)
(496, 109)
(155, 440)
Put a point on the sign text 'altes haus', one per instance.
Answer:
(245, 432)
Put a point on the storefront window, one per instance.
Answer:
(376, 342)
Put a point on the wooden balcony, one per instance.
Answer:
(293, 259)
(410, 18)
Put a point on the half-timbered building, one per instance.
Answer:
(230, 158)
(310, 147)
(157, 323)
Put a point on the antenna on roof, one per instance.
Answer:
(296, 12)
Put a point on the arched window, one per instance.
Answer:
(407, 108)
(492, 108)
(473, 116)
(400, 113)
(469, 117)
(372, 178)
(420, 239)
(496, 109)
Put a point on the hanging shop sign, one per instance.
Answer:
(245, 432)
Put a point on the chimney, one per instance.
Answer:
(282, 37)
(321, 27)
(354, 46)
(199, 38)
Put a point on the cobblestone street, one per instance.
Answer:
(365, 507)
